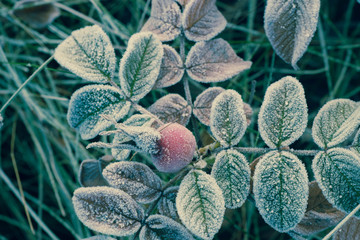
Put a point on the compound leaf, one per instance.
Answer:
(227, 118)
(134, 178)
(167, 205)
(232, 173)
(290, 26)
(349, 231)
(200, 204)
(90, 173)
(88, 53)
(214, 61)
(281, 190)
(337, 173)
(89, 102)
(140, 65)
(158, 227)
(107, 210)
(202, 20)
(283, 114)
(336, 121)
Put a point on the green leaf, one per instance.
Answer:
(140, 65)
(167, 205)
(232, 173)
(281, 190)
(200, 204)
(337, 173)
(90, 173)
(86, 105)
(88, 53)
(283, 114)
(336, 121)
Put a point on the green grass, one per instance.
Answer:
(42, 153)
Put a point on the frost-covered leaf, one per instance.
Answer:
(88, 53)
(107, 210)
(290, 26)
(183, 2)
(165, 20)
(335, 122)
(320, 214)
(158, 227)
(167, 205)
(283, 114)
(140, 65)
(227, 118)
(337, 173)
(202, 20)
(99, 237)
(349, 231)
(214, 61)
(200, 204)
(90, 173)
(172, 108)
(86, 105)
(355, 147)
(232, 173)
(281, 190)
(171, 70)
(134, 178)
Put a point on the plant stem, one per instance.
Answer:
(145, 111)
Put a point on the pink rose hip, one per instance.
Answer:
(176, 148)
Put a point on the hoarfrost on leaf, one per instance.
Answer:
(227, 118)
(86, 105)
(202, 20)
(140, 65)
(165, 20)
(134, 178)
(283, 114)
(88, 53)
(158, 227)
(232, 173)
(290, 26)
(107, 210)
(167, 205)
(337, 173)
(349, 231)
(214, 61)
(281, 190)
(90, 173)
(200, 204)
(355, 147)
(336, 121)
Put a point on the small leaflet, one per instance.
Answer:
(202, 20)
(99, 237)
(336, 121)
(281, 190)
(227, 118)
(337, 173)
(320, 214)
(90, 173)
(88, 53)
(164, 21)
(349, 231)
(290, 26)
(171, 69)
(107, 210)
(136, 179)
(140, 65)
(200, 204)
(86, 105)
(214, 61)
(203, 103)
(158, 227)
(283, 114)
(167, 205)
(232, 173)
(172, 108)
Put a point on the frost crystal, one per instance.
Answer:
(290, 26)
(232, 173)
(86, 105)
(88, 53)
(107, 210)
(134, 178)
(200, 204)
(283, 114)
(227, 119)
(281, 190)
(337, 173)
(167, 205)
(336, 121)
